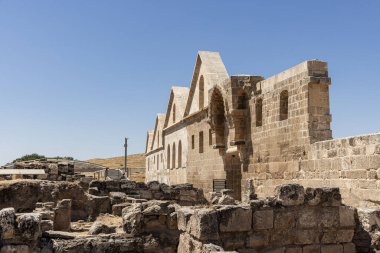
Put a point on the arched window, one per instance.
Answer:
(173, 113)
(284, 103)
(173, 156)
(201, 142)
(168, 157)
(259, 112)
(179, 154)
(201, 93)
(217, 118)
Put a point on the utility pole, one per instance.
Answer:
(125, 156)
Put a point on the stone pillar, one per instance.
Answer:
(62, 217)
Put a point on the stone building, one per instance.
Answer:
(249, 134)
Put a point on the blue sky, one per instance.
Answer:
(78, 76)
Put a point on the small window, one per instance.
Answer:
(173, 156)
(259, 112)
(179, 154)
(168, 157)
(209, 137)
(201, 142)
(284, 103)
(192, 142)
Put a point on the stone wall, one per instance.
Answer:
(352, 164)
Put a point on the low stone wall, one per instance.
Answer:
(352, 164)
(183, 194)
(296, 220)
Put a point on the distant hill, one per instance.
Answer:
(134, 161)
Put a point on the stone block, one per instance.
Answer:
(203, 225)
(47, 225)
(235, 219)
(290, 194)
(303, 237)
(29, 226)
(257, 241)
(325, 196)
(284, 219)
(307, 218)
(14, 249)
(132, 219)
(62, 215)
(349, 248)
(346, 216)
(345, 235)
(172, 222)
(7, 223)
(117, 197)
(263, 219)
(183, 216)
(293, 249)
(117, 209)
(314, 248)
(332, 248)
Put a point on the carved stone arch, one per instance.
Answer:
(217, 116)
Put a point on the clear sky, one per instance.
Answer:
(78, 76)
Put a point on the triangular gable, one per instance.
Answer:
(149, 137)
(211, 67)
(178, 97)
(156, 141)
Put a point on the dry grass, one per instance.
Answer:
(134, 161)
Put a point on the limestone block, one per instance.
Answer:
(62, 215)
(188, 244)
(346, 216)
(332, 248)
(183, 216)
(314, 248)
(93, 191)
(14, 249)
(132, 219)
(308, 218)
(284, 219)
(329, 217)
(99, 228)
(7, 223)
(157, 207)
(117, 197)
(345, 235)
(263, 219)
(276, 250)
(290, 194)
(153, 185)
(47, 225)
(235, 219)
(172, 222)
(29, 225)
(226, 200)
(257, 240)
(303, 237)
(211, 248)
(293, 249)
(203, 225)
(323, 196)
(349, 248)
(117, 209)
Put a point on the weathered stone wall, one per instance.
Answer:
(207, 165)
(352, 164)
(293, 221)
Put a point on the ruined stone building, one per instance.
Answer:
(249, 133)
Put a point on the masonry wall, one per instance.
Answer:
(352, 164)
(177, 173)
(204, 166)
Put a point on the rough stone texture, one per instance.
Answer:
(28, 226)
(7, 223)
(99, 228)
(62, 217)
(291, 194)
